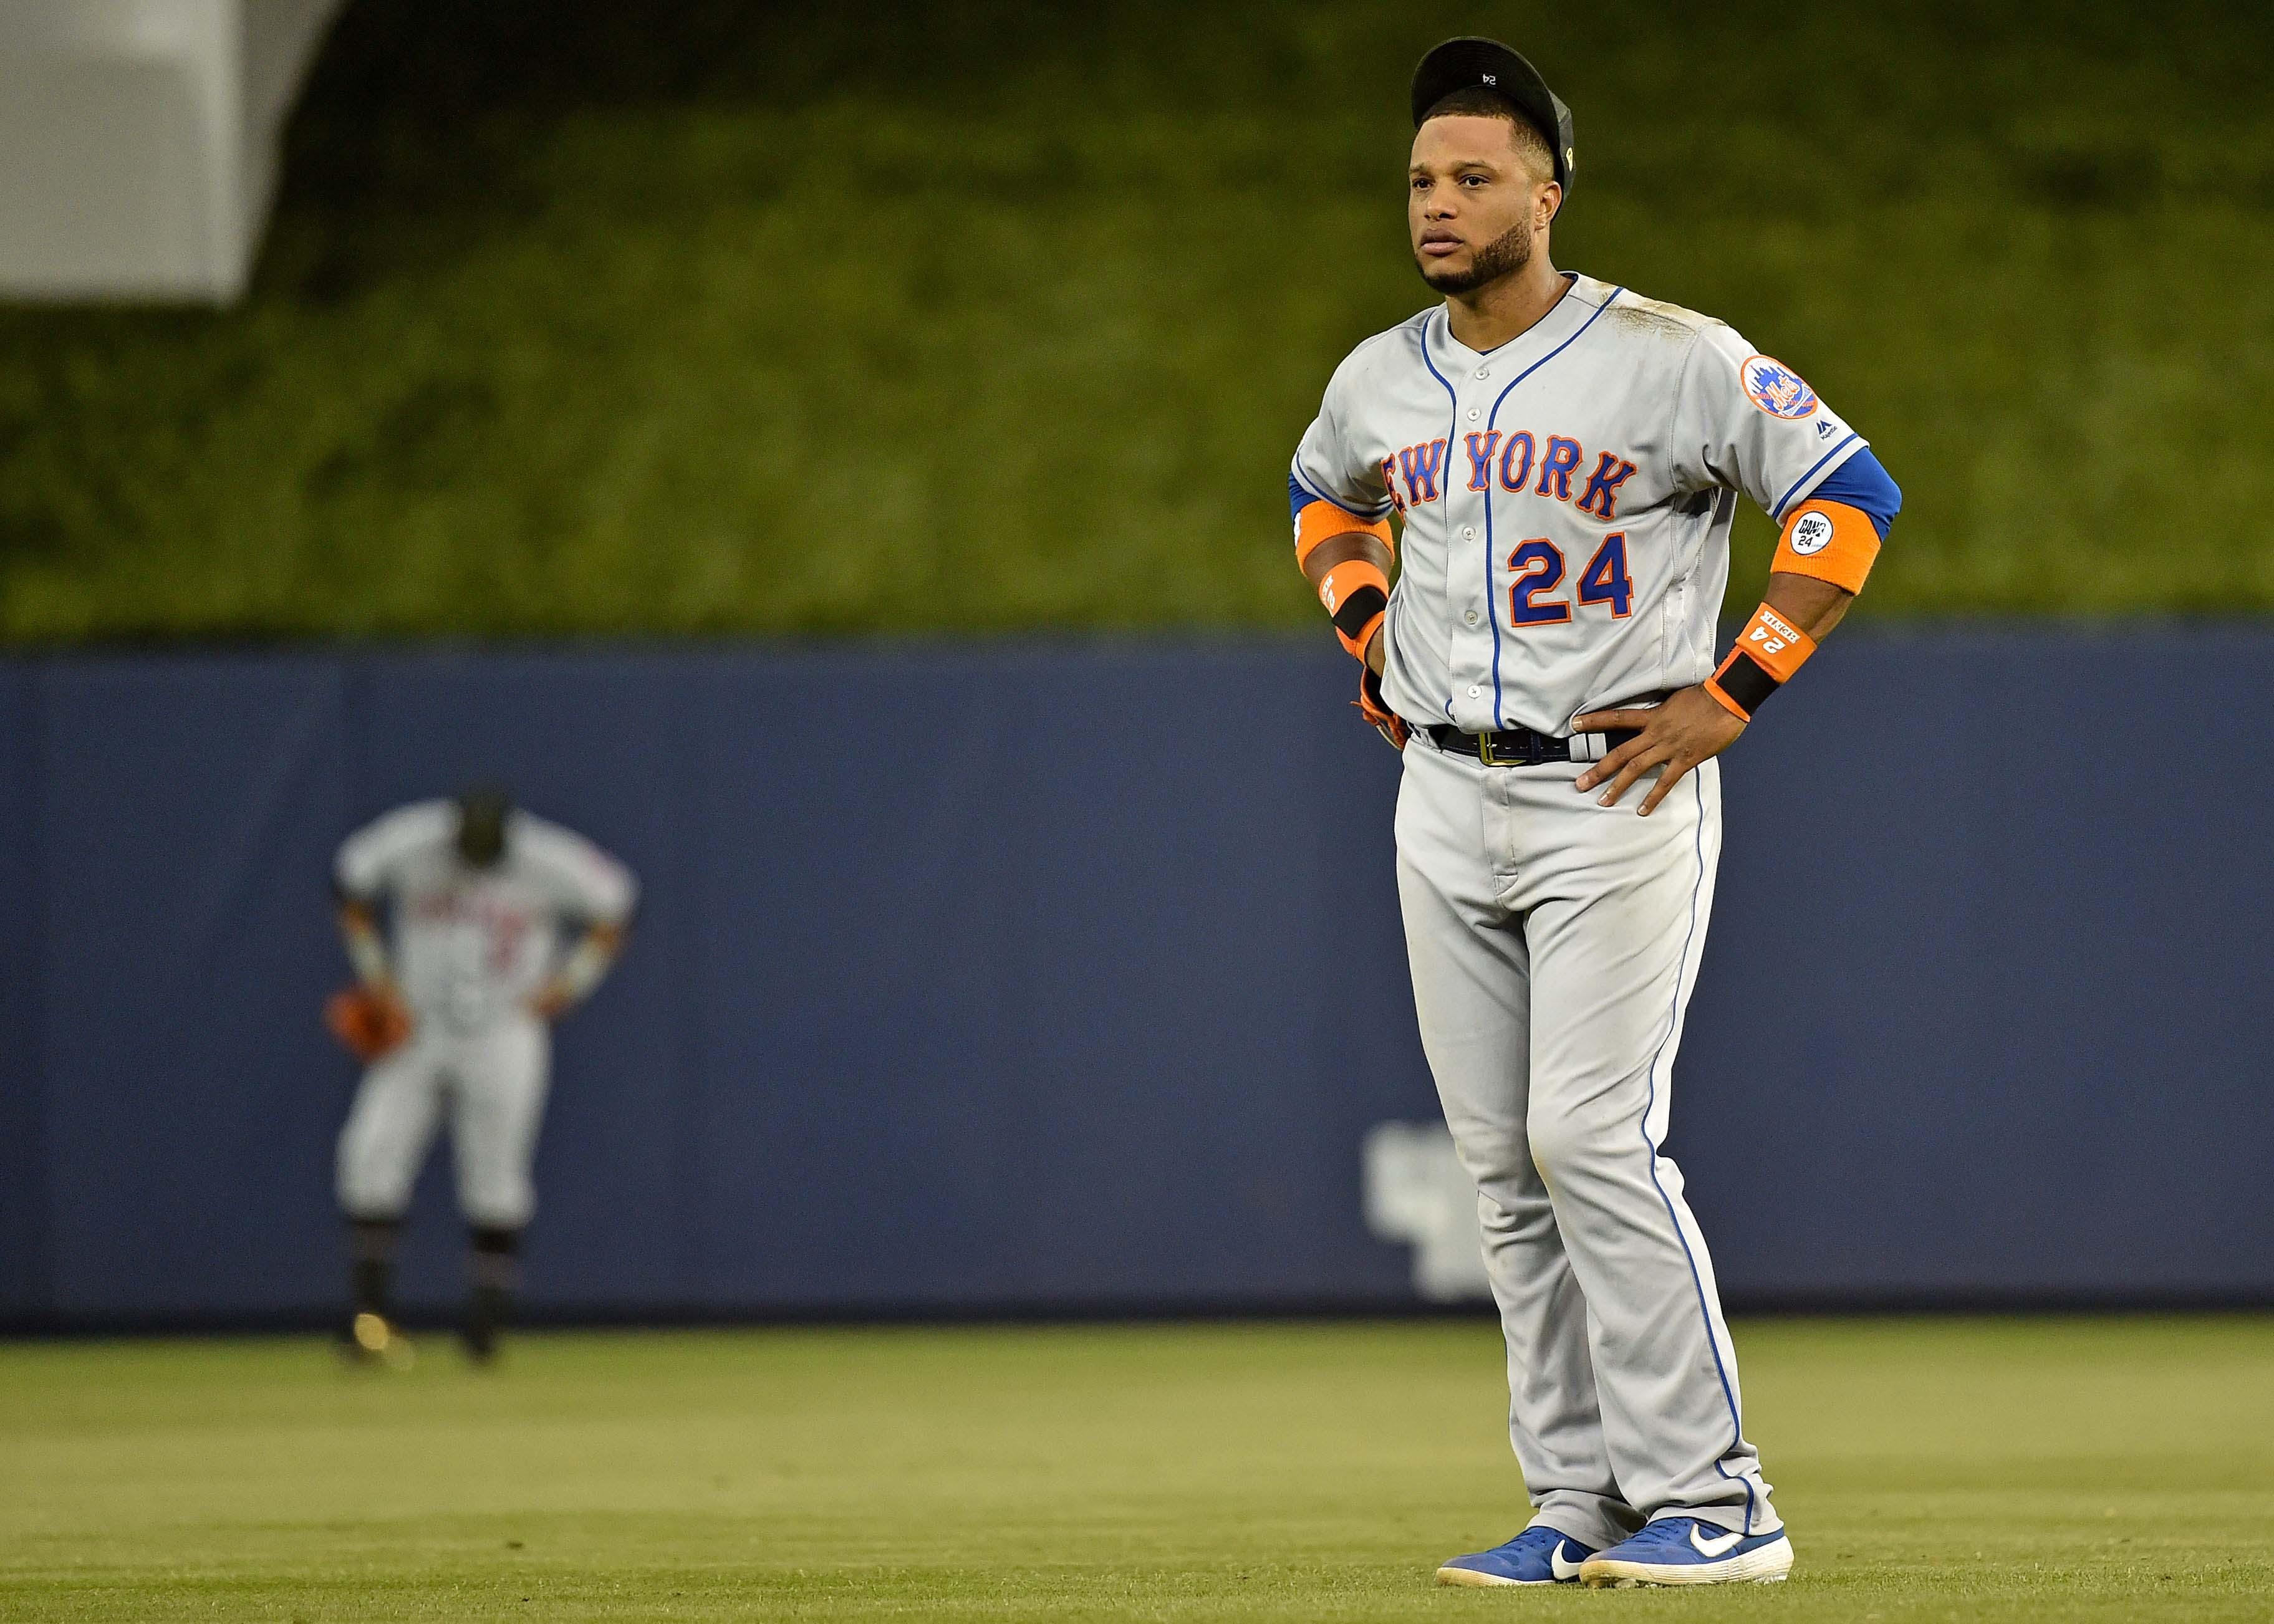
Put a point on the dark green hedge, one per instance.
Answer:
(576, 319)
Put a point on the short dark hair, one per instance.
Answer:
(1476, 101)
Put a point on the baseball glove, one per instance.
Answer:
(1377, 713)
(369, 1023)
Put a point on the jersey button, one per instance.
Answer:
(1474, 414)
(1468, 532)
(1473, 692)
(1483, 372)
(1471, 616)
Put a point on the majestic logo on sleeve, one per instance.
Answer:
(1777, 389)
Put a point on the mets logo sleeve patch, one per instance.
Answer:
(1776, 388)
(1746, 422)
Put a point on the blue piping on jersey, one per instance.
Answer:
(1492, 421)
(1308, 496)
(1650, 1149)
(1452, 439)
(1777, 512)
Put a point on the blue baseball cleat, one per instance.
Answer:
(1686, 1551)
(1536, 1556)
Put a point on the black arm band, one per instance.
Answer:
(1359, 608)
(1745, 680)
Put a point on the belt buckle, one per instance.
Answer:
(1485, 753)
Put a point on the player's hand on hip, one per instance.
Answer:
(1688, 728)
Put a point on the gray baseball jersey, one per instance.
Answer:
(470, 945)
(1567, 499)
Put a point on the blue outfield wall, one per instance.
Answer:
(1069, 977)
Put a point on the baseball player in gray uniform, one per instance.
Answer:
(1566, 457)
(500, 922)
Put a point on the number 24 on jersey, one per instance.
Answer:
(1539, 567)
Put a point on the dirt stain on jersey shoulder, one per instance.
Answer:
(1653, 319)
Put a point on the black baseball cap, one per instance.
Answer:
(1487, 64)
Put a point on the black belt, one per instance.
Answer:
(1518, 747)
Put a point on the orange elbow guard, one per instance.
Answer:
(1357, 595)
(1828, 541)
(1764, 657)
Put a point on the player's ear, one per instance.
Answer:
(1546, 200)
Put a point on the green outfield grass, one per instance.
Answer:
(578, 317)
(1969, 1469)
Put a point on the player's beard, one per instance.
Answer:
(1504, 256)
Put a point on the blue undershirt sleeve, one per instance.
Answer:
(1861, 482)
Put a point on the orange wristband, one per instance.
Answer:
(1357, 595)
(1828, 541)
(1762, 660)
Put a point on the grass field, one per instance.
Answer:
(1964, 1469)
(584, 319)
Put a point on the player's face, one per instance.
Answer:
(1471, 204)
(481, 831)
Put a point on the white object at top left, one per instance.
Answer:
(141, 141)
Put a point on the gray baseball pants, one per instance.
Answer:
(1553, 944)
(490, 1081)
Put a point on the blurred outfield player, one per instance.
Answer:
(1568, 458)
(501, 921)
